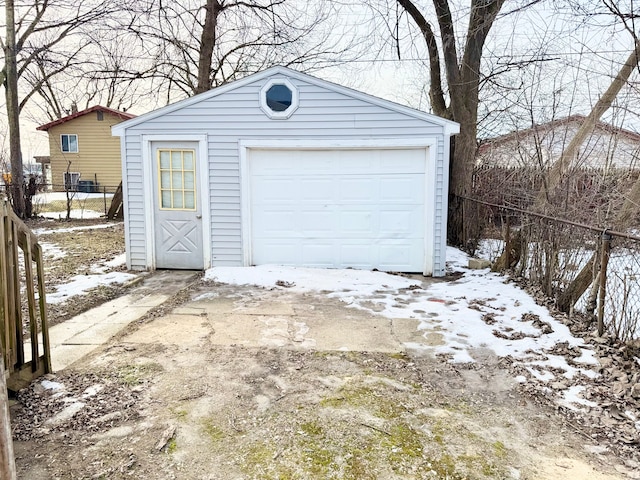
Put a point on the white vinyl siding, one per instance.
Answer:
(235, 115)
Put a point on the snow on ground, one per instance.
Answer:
(47, 197)
(101, 273)
(104, 267)
(52, 251)
(478, 310)
(75, 213)
(79, 284)
(47, 231)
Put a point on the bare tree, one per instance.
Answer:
(196, 45)
(10, 81)
(560, 167)
(34, 30)
(462, 74)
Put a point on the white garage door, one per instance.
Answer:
(338, 208)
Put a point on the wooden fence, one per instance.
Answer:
(19, 251)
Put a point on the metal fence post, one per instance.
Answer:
(507, 248)
(604, 261)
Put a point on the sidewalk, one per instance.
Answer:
(80, 335)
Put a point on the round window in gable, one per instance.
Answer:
(279, 98)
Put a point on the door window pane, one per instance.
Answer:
(165, 180)
(176, 160)
(176, 197)
(176, 180)
(188, 160)
(189, 181)
(176, 173)
(189, 200)
(166, 199)
(164, 159)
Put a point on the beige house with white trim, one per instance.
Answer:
(83, 153)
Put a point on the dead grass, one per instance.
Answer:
(83, 250)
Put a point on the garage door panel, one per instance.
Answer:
(315, 189)
(279, 252)
(356, 223)
(398, 224)
(319, 254)
(358, 189)
(341, 162)
(400, 256)
(316, 222)
(402, 189)
(276, 222)
(272, 189)
(345, 208)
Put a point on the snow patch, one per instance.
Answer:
(480, 309)
(79, 284)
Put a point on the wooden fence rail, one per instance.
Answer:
(17, 281)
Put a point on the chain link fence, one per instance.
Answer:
(581, 267)
(81, 201)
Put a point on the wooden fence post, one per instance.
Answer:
(606, 248)
(7, 459)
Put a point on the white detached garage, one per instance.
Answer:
(284, 168)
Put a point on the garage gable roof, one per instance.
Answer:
(449, 127)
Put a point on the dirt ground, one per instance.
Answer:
(169, 399)
(77, 252)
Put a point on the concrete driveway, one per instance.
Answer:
(253, 317)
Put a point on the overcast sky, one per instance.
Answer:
(579, 62)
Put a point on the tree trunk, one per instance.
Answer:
(623, 220)
(459, 225)
(512, 252)
(13, 114)
(207, 45)
(576, 289)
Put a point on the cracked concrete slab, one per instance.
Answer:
(80, 335)
(172, 329)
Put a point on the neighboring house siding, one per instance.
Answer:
(236, 115)
(98, 156)
(605, 149)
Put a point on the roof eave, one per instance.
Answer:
(449, 127)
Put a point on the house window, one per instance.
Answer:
(279, 98)
(100, 115)
(71, 180)
(69, 143)
(177, 176)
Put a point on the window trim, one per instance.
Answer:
(170, 170)
(73, 186)
(62, 144)
(294, 99)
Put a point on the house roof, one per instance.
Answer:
(450, 127)
(96, 108)
(607, 127)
